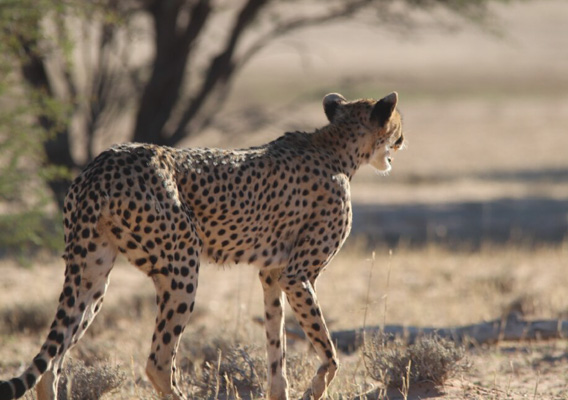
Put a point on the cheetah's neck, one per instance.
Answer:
(350, 148)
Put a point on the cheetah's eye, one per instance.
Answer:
(399, 141)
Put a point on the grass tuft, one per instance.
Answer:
(29, 318)
(398, 365)
(239, 370)
(80, 382)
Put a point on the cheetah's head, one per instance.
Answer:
(379, 121)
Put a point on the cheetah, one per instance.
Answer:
(284, 207)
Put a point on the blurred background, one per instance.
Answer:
(483, 90)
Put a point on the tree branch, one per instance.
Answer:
(57, 148)
(220, 69)
(172, 50)
(347, 10)
(102, 88)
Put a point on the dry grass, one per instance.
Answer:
(239, 371)
(29, 318)
(396, 364)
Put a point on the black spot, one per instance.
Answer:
(189, 288)
(52, 335)
(182, 308)
(19, 387)
(315, 327)
(30, 380)
(74, 268)
(60, 338)
(40, 364)
(6, 390)
(52, 350)
(167, 338)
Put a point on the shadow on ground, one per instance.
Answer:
(529, 220)
(415, 391)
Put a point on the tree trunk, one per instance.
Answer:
(172, 45)
(57, 148)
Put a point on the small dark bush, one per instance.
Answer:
(430, 358)
(239, 370)
(80, 382)
(29, 318)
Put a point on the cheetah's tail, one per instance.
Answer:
(43, 361)
(86, 279)
(17, 387)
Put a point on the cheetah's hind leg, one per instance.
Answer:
(86, 282)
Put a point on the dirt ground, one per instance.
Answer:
(471, 223)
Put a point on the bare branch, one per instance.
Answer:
(172, 50)
(220, 69)
(58, 149)
(63, 37)
(346, 10)
(102, 88)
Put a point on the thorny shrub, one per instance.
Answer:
(430, 358)
(80, 382)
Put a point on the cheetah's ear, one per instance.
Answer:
(330, 103)
(383, 109)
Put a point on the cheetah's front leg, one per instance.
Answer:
(302, 298)
(275, 335)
